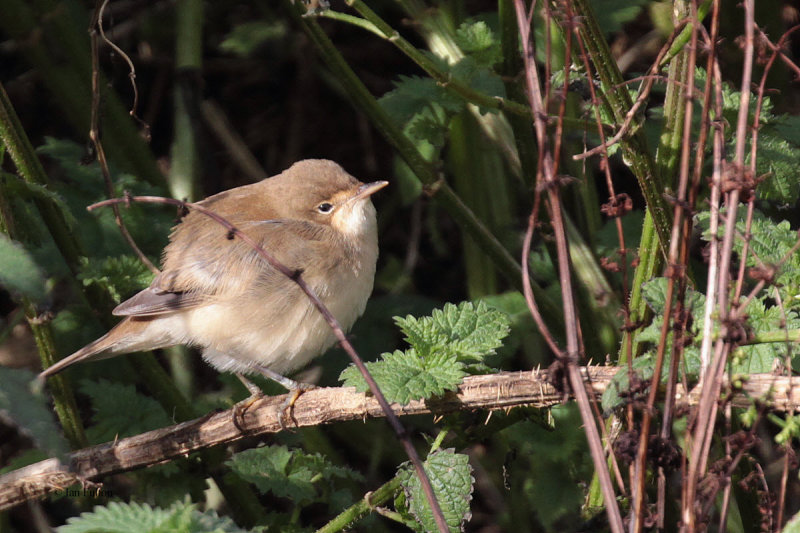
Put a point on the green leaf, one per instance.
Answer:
(468, 331)
(443, 345)
(119, 517)
(477, 40)
(778, 159)
(19, 273)
(404, 376)
(120, 276)
(451, 478)
(413, 94)
(134, 517)
(287, 473)
(770, 242)
(28, 408)
(120, 411)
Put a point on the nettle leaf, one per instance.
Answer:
(762, 357)
(444, 347)
(428, 125)
(413, 94)
(19, 273)
(404, 376)
(287, 473)
(479, 78)
(478, 40)
(28, 409)
(451, 478)
(468, 331)
(69, 154)
(119, 517)
(778, 158)
(120, 411)
(770, 242)
(120, 276)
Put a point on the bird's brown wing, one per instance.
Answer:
(153, 301)
(214, 266)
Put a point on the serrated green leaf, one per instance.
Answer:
(769, 244)
(120, 276)
(468, 331)
(450, 475)
(778, 158)
(210, 522)
(477, 40)
(28, 408)
(287, 473)
(404, 376)
(134, 517)
(479, 78)
(119, 517)
(120, 411)
(427, 126)
(269, 469)
(69, 155)
(412, 94)
(19, 273)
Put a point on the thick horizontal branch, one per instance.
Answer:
(323, 406)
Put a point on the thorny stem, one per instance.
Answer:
(297, 277)
(547, 180)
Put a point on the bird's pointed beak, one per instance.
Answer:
(368, 189)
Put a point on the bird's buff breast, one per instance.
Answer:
(281, 333)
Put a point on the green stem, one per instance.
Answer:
(792, 335)
(184, 155)
(650, 262)
(15, 141)
(350, 19)
(686, 33)
(19, 147)
(363, 507)
(616, 101)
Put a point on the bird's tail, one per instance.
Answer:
(106, 346)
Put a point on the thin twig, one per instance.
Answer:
(94, 130)
(644, 94)
(703, 427)
(547, 179)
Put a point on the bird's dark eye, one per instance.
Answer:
(325, 207)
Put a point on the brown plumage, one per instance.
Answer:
(219, 295)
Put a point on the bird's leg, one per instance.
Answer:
(241, 408)
(295, 387)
